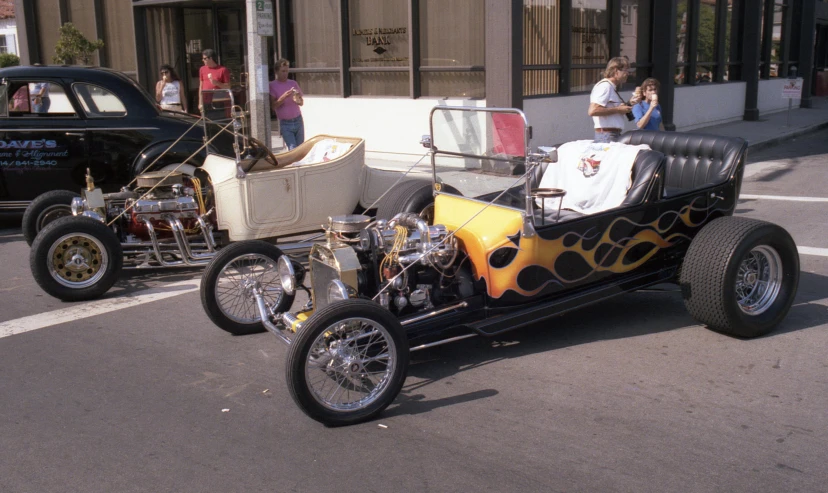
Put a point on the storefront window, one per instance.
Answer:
(777, 45)
(732, 42)
(541, 48)
(706, 49)
(635, 35)
(379, 40)
(590, 42)
(316, 37)
(452, 51)
(682, 43)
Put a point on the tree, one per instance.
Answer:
(73, 47)
(9, 59)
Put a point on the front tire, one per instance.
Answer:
(76, 258)
(44, 209)
(348, 362)
(229, 280)
(740, 276)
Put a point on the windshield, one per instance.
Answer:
(480, 152)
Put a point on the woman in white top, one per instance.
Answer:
(168, 91)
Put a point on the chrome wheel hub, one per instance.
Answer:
(77, 260)
(759, 280)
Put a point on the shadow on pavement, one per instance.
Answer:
(807, 145)
(631, 315)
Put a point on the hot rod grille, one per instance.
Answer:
(321, 275)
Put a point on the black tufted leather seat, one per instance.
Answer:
(692, 161)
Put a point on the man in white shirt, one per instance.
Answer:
(606, 107)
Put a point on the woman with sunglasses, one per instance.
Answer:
(168, 90)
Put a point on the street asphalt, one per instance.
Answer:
(630, 395)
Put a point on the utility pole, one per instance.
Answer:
(260, 24)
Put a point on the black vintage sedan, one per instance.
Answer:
(57, 121)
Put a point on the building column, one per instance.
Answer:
(664, 56)
(504, 53)
(751, 48)
(257, 83)
(805, 25)
(27, 32)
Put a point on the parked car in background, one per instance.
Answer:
(57, 121)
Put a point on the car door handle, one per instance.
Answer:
(76, 134)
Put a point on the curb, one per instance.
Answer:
(764, 144)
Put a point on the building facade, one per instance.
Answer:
(375, 68)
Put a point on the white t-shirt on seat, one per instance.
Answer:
(604, 94)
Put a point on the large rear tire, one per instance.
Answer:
(740, 276)
(76, 258)
(44, 209)
(228, 283)
(415, 196)
(348, 362)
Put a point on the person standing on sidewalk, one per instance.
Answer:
(285, 99)
(606, 107)
(212, 76)
(647, 113)
(168, 91)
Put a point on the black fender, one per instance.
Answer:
(180, 151)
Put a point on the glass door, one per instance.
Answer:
(232, 43)
(198, 36)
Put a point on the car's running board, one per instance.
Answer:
(509, 321)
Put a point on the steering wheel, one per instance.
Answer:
(261, 151)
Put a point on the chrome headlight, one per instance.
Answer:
(77, 206)
(337, 291)
(287, 276)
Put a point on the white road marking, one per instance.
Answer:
(821, 252)
(98, 307)
(784, 197)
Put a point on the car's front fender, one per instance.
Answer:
(177, 154)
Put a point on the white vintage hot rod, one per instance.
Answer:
(181, 215)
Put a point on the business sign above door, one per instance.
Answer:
(264, 18)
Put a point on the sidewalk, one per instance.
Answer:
(773, 129)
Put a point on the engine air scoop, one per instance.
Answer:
(153, 178)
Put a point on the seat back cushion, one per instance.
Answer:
(692, 160)
(645, 169)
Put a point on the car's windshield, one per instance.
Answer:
(480, 152)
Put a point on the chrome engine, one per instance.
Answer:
(163, 221)
(403, 263)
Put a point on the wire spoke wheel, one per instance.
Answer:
(238, 279)
(231, 279)
(350, 364)
(77, 260)
(759, 280)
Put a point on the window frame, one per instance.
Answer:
(345, 70)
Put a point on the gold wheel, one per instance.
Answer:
(77, 260)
